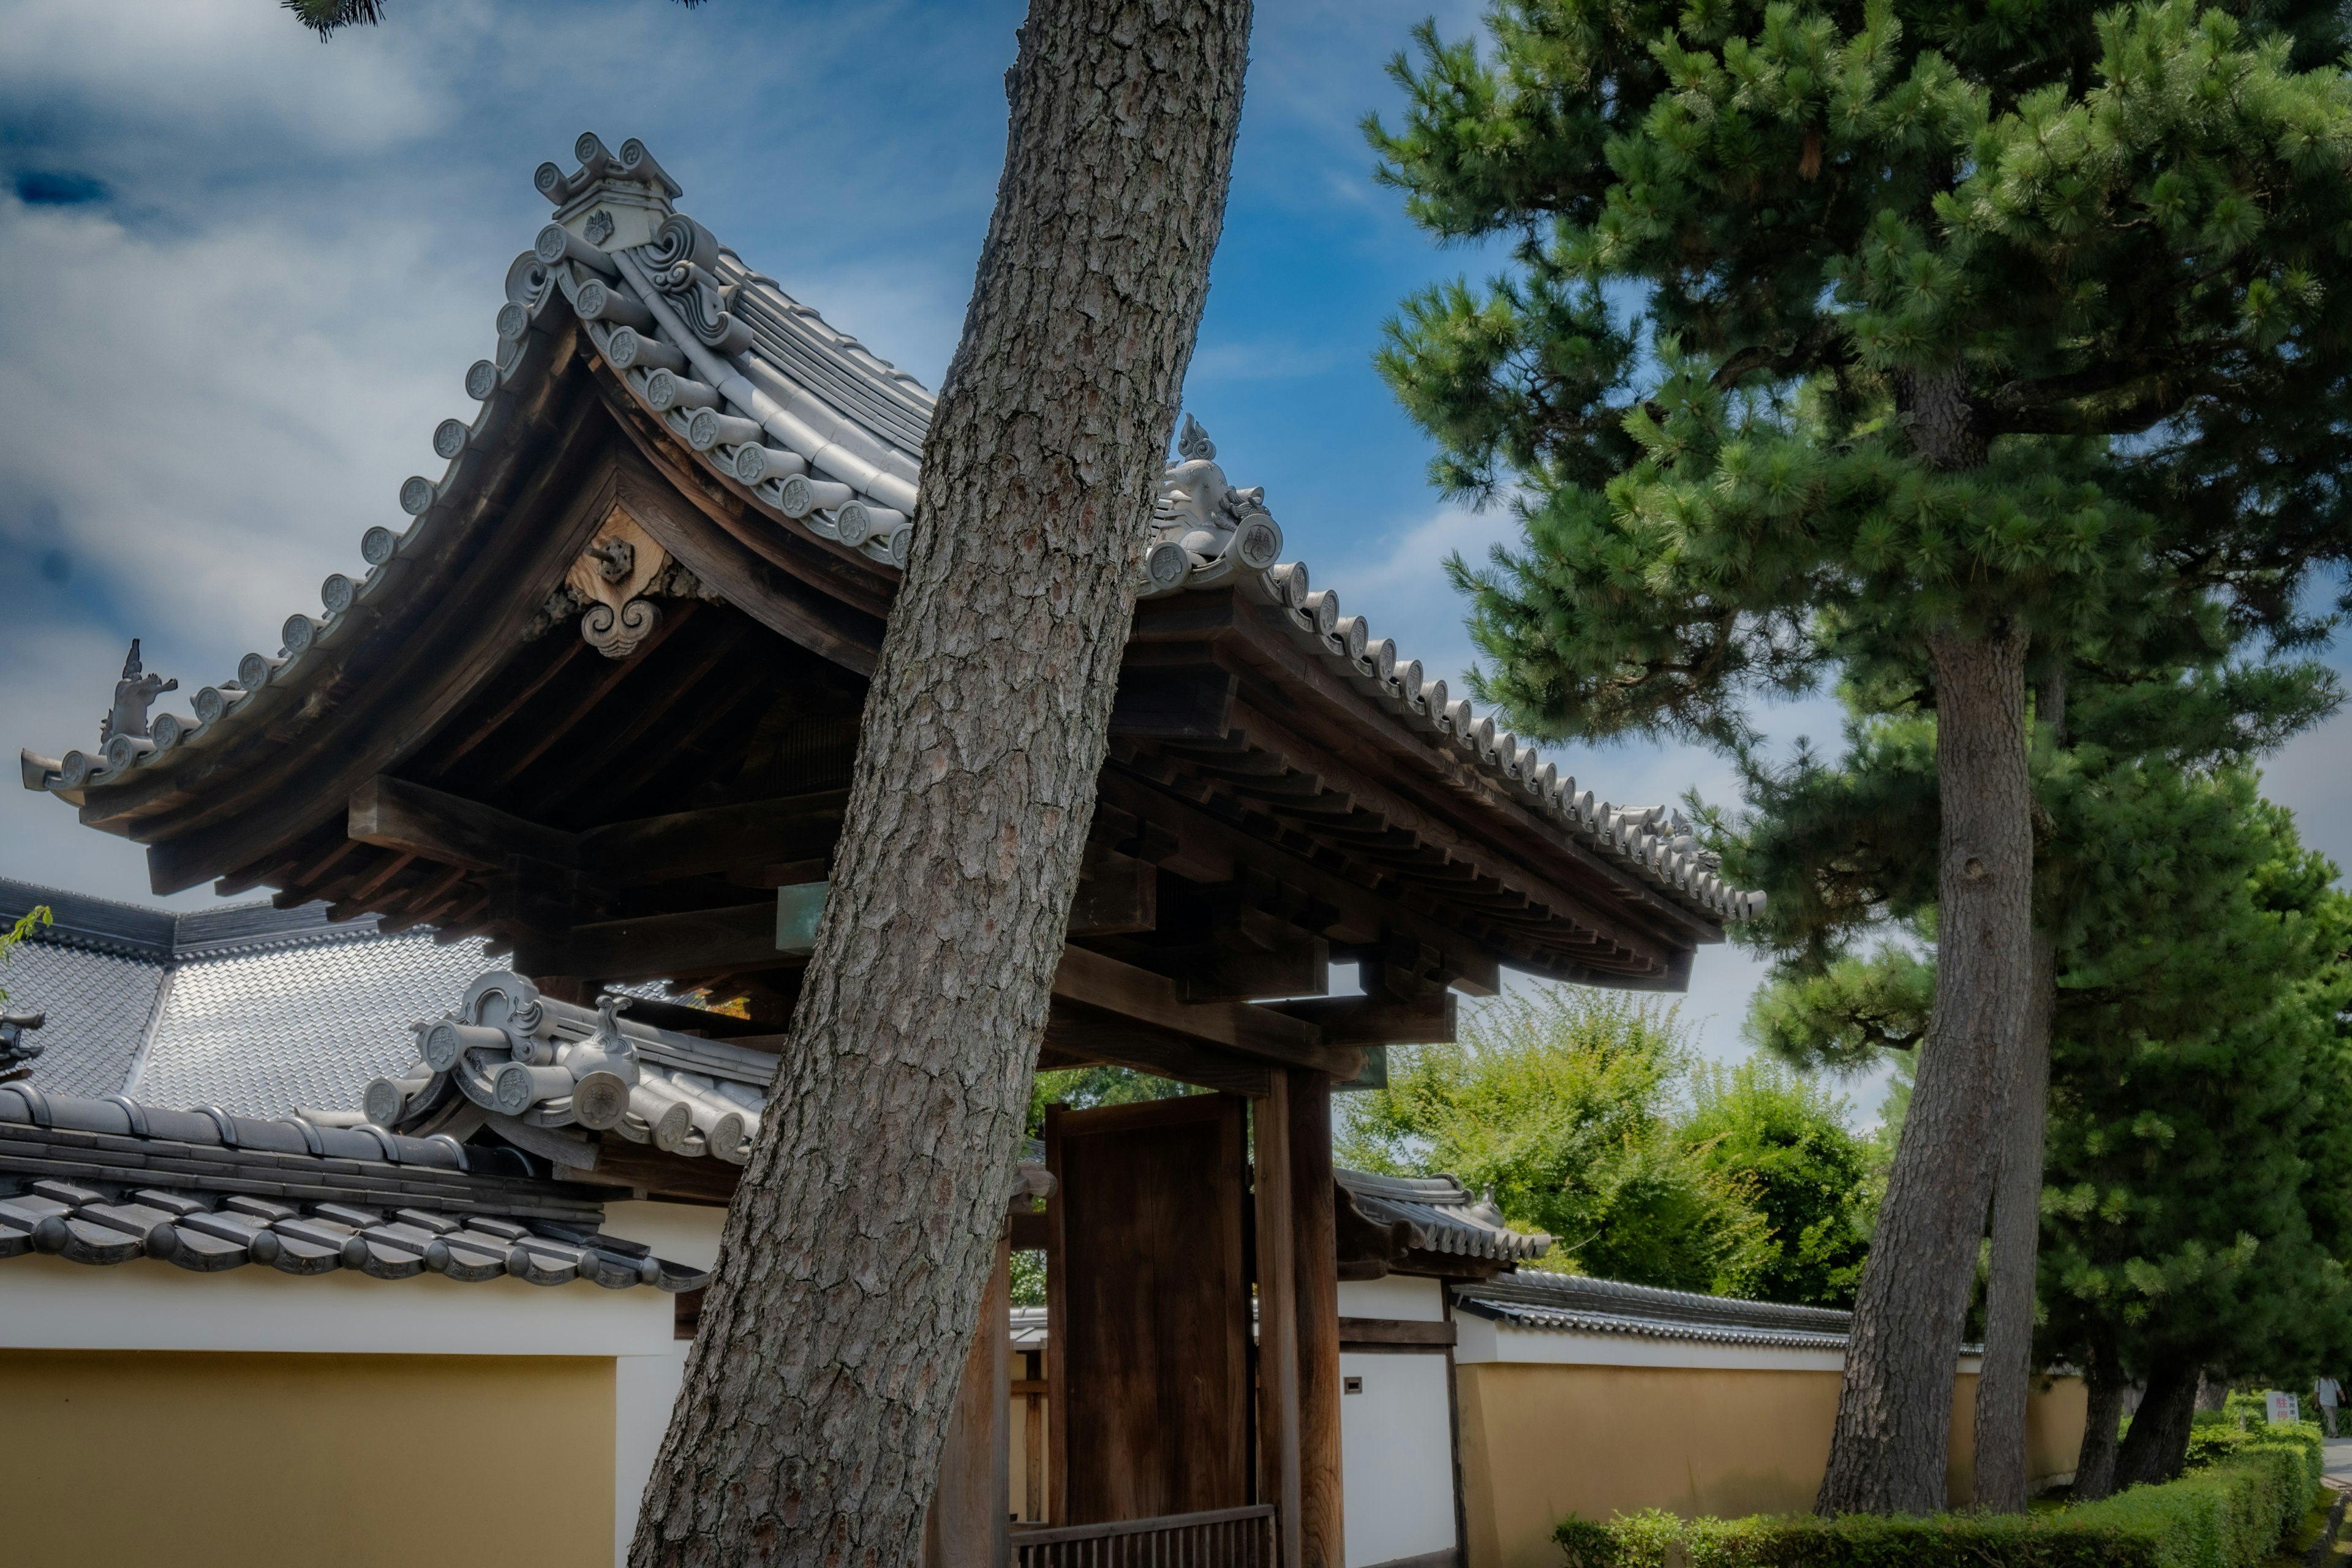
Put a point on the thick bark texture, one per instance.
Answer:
(2103, 1417)
(815, 1399)
(2007, 1377)
(2158, 1443)
(1893, 1423)
(2002, 1483)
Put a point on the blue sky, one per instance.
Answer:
(246, 273)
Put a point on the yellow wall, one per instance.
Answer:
(214, 1460)
(1541, 1441)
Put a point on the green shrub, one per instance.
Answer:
(2249, 1489)
(1648, 1539)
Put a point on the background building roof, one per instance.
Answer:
(259, 1009)
(1576, 1303)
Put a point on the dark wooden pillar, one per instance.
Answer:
(967, 1527)
(1315, 1237)
(1277, 1315)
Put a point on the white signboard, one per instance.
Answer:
(2286, 1409)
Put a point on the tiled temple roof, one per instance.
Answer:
(107, 1181)
(260, 1009)
(825, 438)
(1438, 1214)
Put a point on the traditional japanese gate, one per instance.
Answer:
(597, 700)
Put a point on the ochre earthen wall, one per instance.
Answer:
(1541, 1441)
(125, 1459)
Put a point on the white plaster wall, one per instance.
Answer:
(644, 1389)
(683, 1233)
(646, 1386)
(1396, 1454)
(1397, 1296)
(47, 1303)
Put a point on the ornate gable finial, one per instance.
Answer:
(134, 695)
(1192, 442)
(613, 201)
(1216, 526)
(609, 1008)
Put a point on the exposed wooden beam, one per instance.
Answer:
(716, 838)
(1316, 1249)
(1075, 1032)
(1383, 1332)
(1209, 849)
(394, 813)
(494, 567)
(1095, 981)
(1371, 1021)
(1186, 701)
(621, 1163)
(1117, 894)
(1279, 1478)
(659, 947)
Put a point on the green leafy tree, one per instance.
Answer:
(32, 920)
(1786, 1139)
(1970, 332)
(1586, 1115)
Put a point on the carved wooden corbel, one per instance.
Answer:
(613, 577)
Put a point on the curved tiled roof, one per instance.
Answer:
(107, 1181)
(825, 438)
(507, 1050)
(1439, 1215)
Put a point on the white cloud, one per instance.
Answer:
(176, 77)
(2312, 776)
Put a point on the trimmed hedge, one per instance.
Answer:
(2253, 1488)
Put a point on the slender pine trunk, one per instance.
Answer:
(2006, 1380)
(1895, 1408)
(2002, 1481)
(1893, 1435)
(815, 1399)
(2103, 1417)
(2158, 1443)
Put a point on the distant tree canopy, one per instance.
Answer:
(1587, 1115)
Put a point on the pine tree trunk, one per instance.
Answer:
(2002, 1482)
(2007, 1378)
(2158, 1443)
(1895, 1407)
(2103, 1417)
(815, 1399)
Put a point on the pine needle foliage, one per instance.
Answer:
(325, 17)
(2118, 231)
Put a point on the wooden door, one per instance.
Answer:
(1147, 1296)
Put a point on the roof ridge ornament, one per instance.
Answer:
(1217, 527)
(134, 694)
(612, 202)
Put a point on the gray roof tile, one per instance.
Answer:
(108, 1207)
(1441, 1215)
(1577, 1303)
